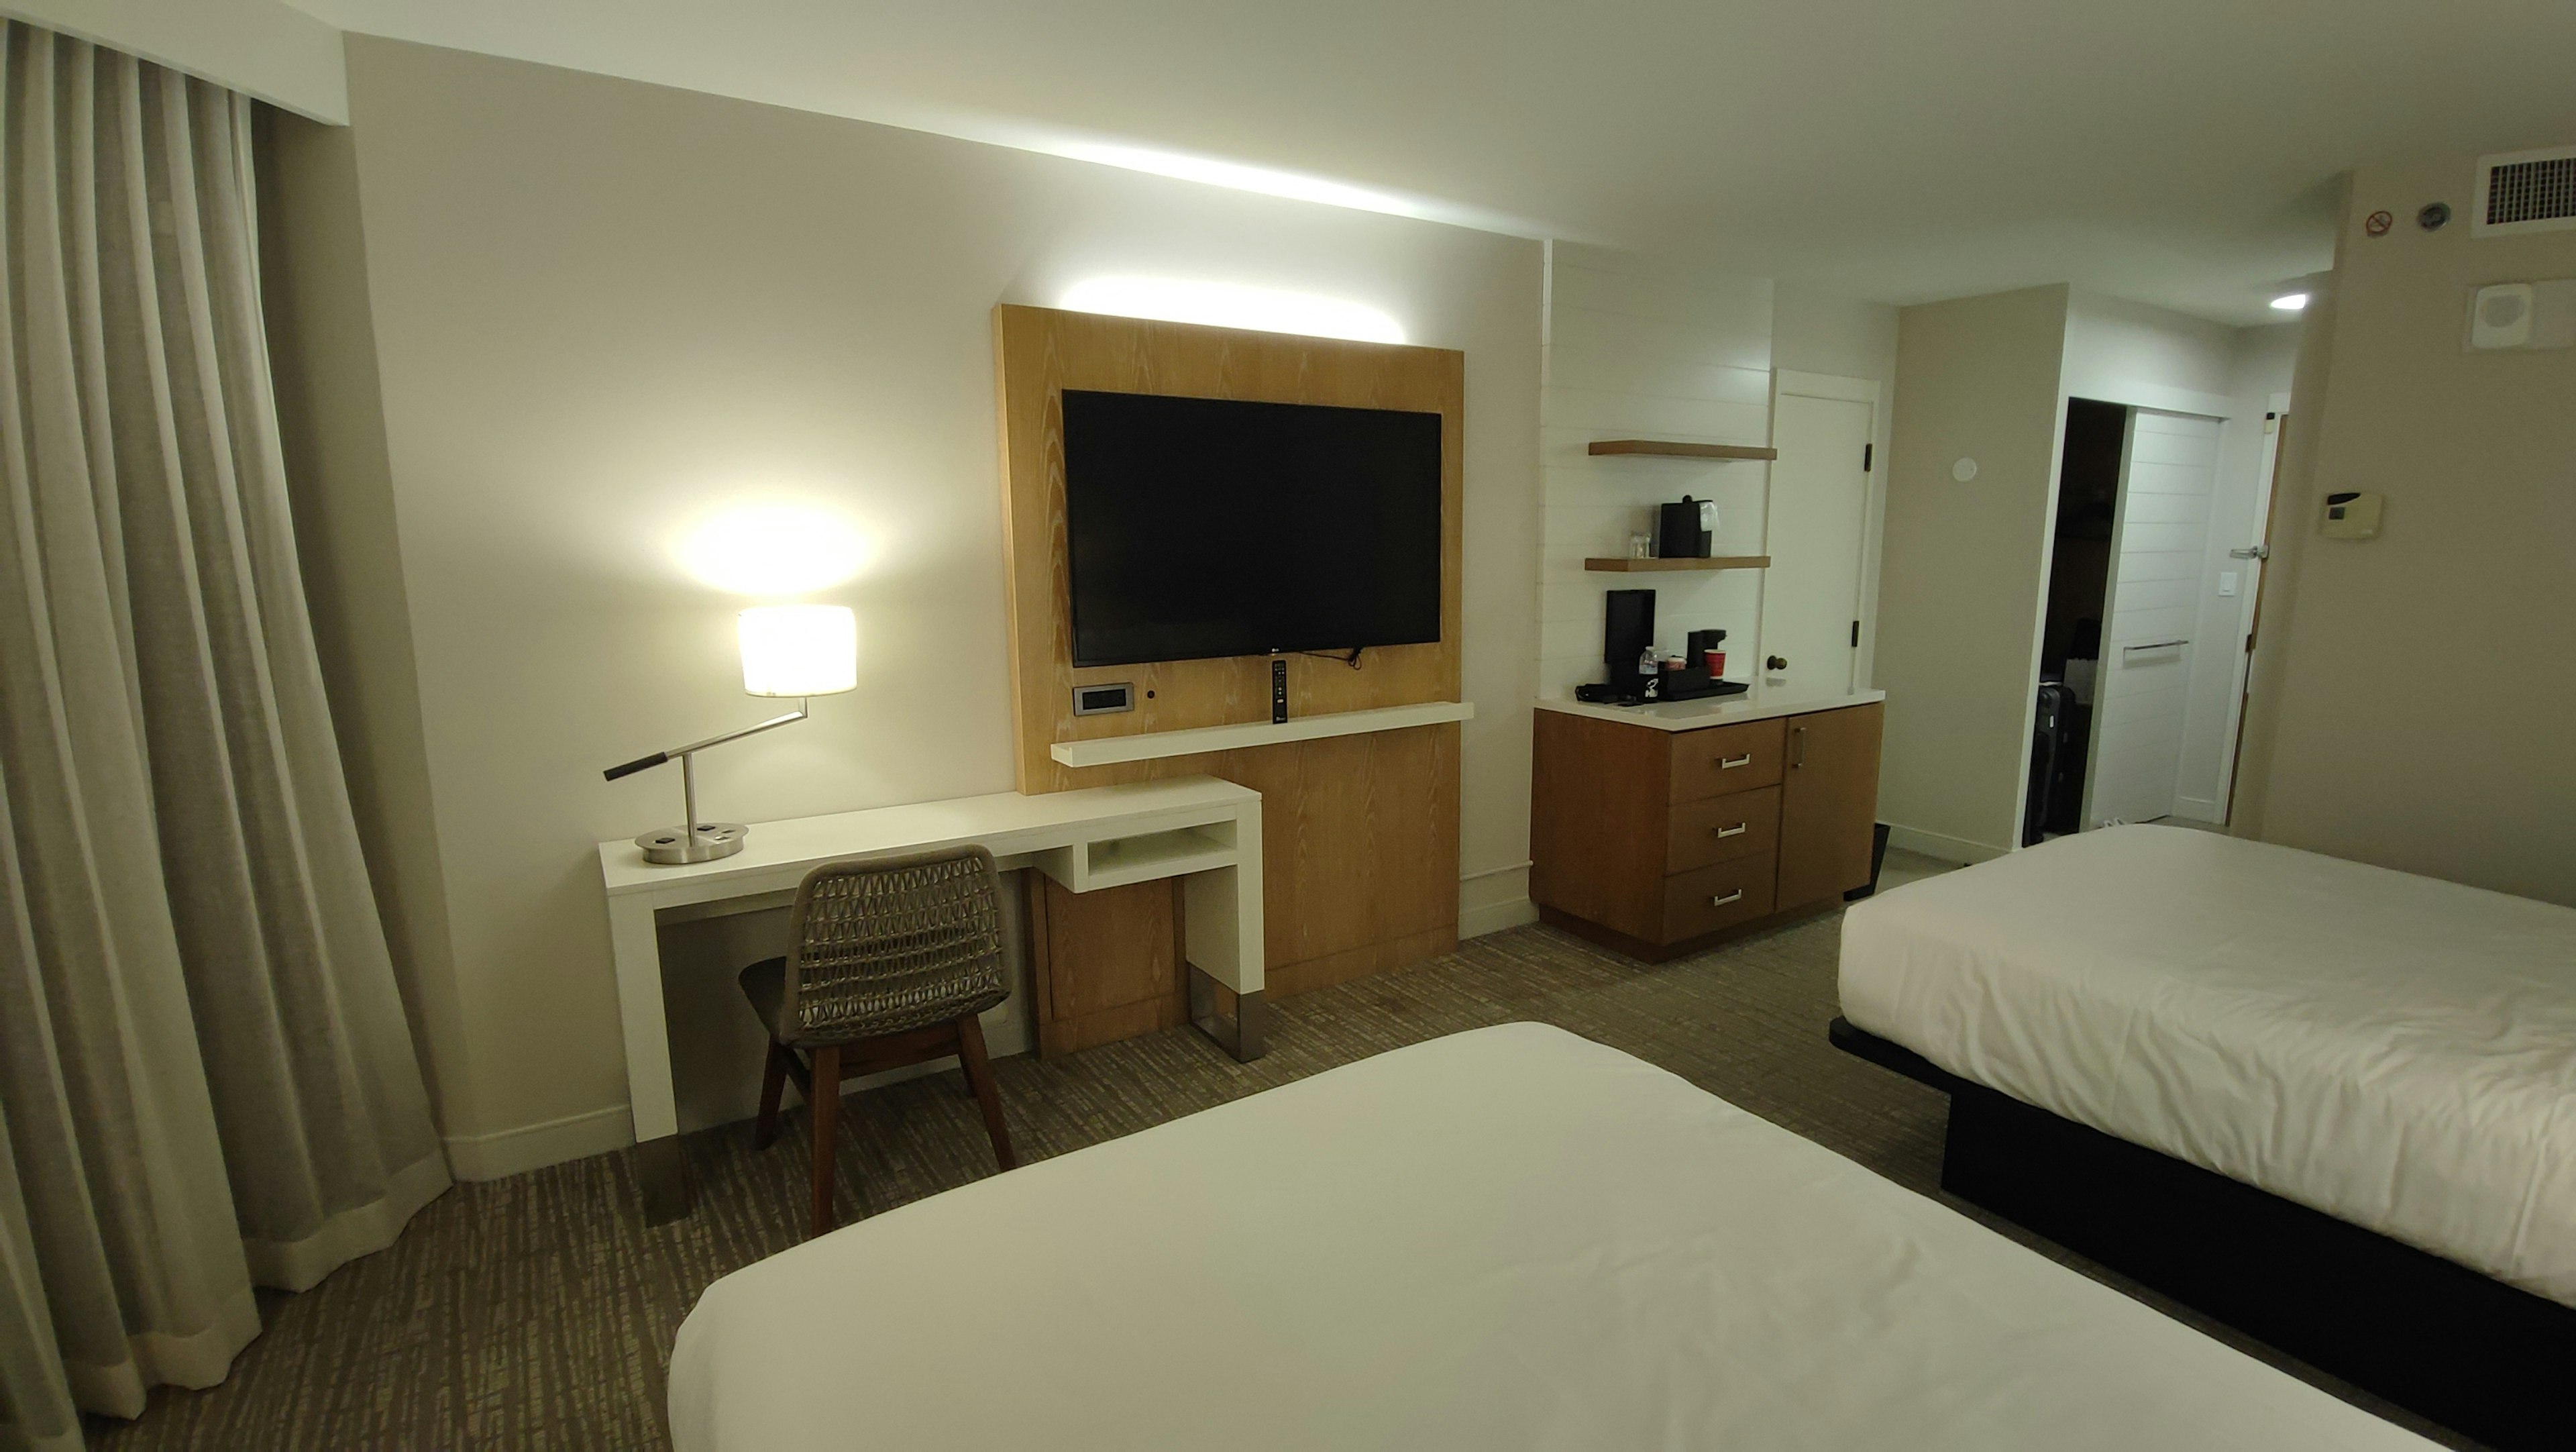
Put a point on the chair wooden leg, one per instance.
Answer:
(979, 1073)
(826, 1107)
(773, 1082)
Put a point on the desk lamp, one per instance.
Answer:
(787, 650)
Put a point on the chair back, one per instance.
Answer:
(890, 944)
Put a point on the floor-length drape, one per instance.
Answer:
(206, 1080)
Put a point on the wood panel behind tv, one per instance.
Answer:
(1359, 833)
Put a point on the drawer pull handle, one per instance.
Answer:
(1735, 896)
(1738, 830)
(1730, 763)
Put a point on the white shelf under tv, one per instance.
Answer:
(1151, 745)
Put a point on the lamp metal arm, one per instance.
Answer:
(643, 763)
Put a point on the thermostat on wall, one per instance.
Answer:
(2351, 515)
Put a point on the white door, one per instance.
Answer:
(2158, 549)
(1817, 527)
(2246, 562)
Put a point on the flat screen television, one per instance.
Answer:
(1200, 527)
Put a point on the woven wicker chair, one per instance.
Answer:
(888, 963)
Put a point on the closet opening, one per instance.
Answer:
(2070, 646)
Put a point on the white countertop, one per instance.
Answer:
(1008, 823)
(1759, 704)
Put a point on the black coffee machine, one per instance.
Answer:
(1685, 531)
(1627, 635)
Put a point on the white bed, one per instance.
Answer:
(2395, 1051)
(1511, 1238)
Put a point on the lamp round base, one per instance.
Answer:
(678, 846)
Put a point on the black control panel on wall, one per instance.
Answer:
(1278, 691)
(1101, 700)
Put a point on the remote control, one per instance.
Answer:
(1278, 691)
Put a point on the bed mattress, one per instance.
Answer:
(1510, 1238)
(2392, 1050)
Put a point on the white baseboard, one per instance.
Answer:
(2199, 809)
(1943, 846)
(533, 1147)
(1494, 899)
(1494, 917)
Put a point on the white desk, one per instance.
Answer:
(1197, 828)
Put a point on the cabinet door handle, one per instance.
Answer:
(1798, 741)
(1735, 896)
(1730, 763)
(1738, 830)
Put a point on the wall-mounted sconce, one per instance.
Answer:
(787, 650)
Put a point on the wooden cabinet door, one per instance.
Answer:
(1828, 803)
(1108, 963)
(1597, 821)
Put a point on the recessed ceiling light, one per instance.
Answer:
(2290, 302)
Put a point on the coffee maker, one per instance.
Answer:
(1686, 531)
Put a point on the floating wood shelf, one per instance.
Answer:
(1675, 450)
(1713, 562)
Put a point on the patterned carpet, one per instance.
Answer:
(537, 1311)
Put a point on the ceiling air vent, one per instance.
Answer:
(2526, 191)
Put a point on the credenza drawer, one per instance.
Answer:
(1725, 759)
(1722, 829)
(1709, 898)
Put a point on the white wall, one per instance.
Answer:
(2125, 352)
(263, 48)
(604, 311)
(2413, 692)
(1963, 564)
(1642, 348)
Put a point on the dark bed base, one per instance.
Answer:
(2471, 1353)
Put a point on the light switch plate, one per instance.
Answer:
(2227, 582)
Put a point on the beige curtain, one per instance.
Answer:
(206, 1080)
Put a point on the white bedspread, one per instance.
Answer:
(2395, 1051)
(1510, 1238)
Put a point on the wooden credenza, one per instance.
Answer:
(1656, 841)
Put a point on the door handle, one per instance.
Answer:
(1738, 830)
(1735, 896)
(1730, 763)
(1798, 745)
(2256, 552)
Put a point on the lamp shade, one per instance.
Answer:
(799, 650)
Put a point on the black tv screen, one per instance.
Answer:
(1202, 527)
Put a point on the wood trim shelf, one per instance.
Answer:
(1193, 741)
(1671, 448)
(1619, 566)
